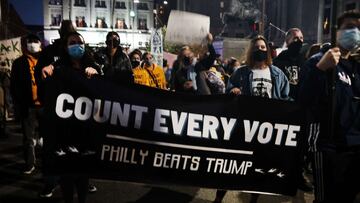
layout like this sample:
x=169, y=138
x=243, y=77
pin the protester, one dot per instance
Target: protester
x=148, y=73
x=116, y=64
x=74, y=60
x=336, y=147
x=209, y=81
x=183, y=75
x=232, y=66
x=23, y=89
x=291, y=60
x=259, y=77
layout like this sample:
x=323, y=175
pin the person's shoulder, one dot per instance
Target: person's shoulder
x=276, y=70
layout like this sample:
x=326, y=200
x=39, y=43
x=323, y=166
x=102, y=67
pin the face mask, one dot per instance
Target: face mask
x=76, y=51
x=259, y=55
x=349, y=39
x=148, y=63
x=295, y=47
x=34, y=47
x=135, y=63
x=187, y=61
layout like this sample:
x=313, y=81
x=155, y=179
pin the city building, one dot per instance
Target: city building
x=132, y=19
x=312, y=17
x=11, y=24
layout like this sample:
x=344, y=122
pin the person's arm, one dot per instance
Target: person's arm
x=207, y=62
x=233, y=85
x=314, y=84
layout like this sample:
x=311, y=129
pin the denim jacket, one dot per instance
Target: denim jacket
x=242, y=78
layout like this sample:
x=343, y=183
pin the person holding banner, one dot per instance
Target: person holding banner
x=115, y=63
x=334, y=136
x=259, y=77
x=75, y=62
x=23, y=90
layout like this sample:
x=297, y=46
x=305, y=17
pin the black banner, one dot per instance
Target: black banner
x=140, y=134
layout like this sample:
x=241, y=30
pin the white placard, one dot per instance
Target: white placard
x=187, y=28
x=10, y=50
x=157, y=46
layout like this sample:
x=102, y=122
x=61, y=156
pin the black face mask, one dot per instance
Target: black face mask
x=135, y=63
x=295, y=47
x=259, y=55
x=187, y=61
x=113, y=43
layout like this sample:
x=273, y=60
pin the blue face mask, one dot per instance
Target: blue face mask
x=349, y=39
x=76, y=51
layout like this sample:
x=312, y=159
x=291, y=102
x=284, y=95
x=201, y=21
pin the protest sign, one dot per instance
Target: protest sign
x=157, y=48
x=187, y=28
x=142, y=134
x=10, y=49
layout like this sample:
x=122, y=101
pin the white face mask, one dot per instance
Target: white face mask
x=34, y=47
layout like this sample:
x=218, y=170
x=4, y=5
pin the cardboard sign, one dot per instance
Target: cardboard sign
x=187, y=28
x=10, y=49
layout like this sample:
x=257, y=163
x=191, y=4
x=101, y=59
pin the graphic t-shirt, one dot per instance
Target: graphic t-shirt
x=261, y=83
x=292, y=72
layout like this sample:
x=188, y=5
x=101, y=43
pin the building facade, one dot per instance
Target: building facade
x=312, y=17
x=95, y=18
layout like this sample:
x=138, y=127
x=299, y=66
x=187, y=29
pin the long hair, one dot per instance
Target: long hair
x=250, y=52
x=87, y=59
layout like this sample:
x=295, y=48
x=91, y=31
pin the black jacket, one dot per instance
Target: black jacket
x=291, y=66
x=49, y=55
x=117, y=69
x=20, y=86
x=315, y=95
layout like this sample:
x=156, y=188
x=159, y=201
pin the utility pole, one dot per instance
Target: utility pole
x=112, y=15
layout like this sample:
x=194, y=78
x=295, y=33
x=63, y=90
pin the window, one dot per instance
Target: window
x=79, y=3
x=142, y=24
x=120, y=23
x=80, y=21
x=350, y=6
x=100, y=4
x=55, y=2
x=142, y=6
x=120, y=5
x=100, y=23
x=56, y=19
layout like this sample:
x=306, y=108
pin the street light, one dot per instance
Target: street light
x=132, y=13
x=165, y=2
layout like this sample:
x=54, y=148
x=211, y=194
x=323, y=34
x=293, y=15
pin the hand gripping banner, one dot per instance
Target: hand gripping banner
x=134, y=133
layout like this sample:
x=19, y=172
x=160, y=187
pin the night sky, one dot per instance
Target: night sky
x=30, y=11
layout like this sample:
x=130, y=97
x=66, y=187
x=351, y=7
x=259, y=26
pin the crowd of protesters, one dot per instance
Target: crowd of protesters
x=295, y=74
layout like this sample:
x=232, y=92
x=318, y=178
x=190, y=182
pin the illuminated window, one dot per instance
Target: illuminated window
x=80, y=21
x=56, y=19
